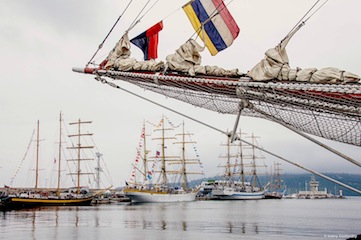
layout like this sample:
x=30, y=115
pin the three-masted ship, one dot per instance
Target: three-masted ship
x=166, y=179
x=238, y=167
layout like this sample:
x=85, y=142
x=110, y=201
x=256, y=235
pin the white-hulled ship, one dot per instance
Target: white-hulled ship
x=154, y=185
x=236, y=167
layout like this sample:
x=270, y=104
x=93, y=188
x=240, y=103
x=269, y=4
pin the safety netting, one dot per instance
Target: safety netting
x=331, y=111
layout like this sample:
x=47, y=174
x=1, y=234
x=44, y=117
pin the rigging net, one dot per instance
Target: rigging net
x=330, y=111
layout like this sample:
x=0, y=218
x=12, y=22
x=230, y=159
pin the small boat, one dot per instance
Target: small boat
x=147, y=189
x=237, y=167
x=39, y=197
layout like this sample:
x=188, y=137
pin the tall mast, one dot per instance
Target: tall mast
x=163, y=171
x=145, y=152
x=228, y=156
x=98, y=169
x=164, y=157
x=184, y=173
x=37, y=158
x=277, y=177
x=79, y=147
x=254, y=171
x=59, y=157
x=228, y=167
x=184, y=162
x=241, y=159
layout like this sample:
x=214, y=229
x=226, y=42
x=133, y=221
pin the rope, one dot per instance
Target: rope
x=135, y=22
x=302, y=22
x=22, y=161
x=116, y=22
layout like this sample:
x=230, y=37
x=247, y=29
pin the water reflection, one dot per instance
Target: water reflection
x=173, y=217
x=211, y=220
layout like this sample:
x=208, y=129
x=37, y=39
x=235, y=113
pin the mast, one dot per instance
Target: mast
x=59, y=157
x=277, y=177
x=163, y=170
x=37, y=158
x=228, y=173
x=98, y=169
x=79, y=147
x=241, y=164
x=184, y=161
x=254, y=167
x=184, y=169
x=145, y=152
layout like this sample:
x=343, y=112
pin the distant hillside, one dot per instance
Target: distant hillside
x=298, y=182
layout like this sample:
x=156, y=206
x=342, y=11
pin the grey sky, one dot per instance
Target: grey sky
x=41, y=41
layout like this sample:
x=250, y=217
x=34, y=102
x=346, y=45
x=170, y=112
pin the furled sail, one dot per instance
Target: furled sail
x=275, y=65
x=119, y=59
x=188, y=60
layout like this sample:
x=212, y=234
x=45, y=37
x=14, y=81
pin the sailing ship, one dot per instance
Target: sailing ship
x=327, y=99
x=235, y=185
x=276, y=189
x=166, y=180
x=40, y=197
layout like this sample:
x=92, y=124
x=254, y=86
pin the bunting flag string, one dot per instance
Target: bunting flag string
x=22, y=161
x=170, y=123
x=138, y=156
x=152, y=169
x=156, y=125
x=197, y=155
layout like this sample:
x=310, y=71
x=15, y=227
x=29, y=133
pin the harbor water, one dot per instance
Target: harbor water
x=253, y=219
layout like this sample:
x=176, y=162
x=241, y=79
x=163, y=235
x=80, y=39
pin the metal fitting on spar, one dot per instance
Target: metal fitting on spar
x=84, y=70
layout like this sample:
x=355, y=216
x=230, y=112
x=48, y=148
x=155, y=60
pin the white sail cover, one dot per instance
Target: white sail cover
x=188, y=60
x=275, y=65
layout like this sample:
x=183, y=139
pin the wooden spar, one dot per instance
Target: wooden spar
x=59, y=157
x=37, y=159
x=78, y=148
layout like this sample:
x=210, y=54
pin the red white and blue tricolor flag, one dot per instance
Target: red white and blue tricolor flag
x=220, y=29
x=148, y=41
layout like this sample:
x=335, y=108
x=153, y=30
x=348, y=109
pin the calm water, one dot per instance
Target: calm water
x=262, y=219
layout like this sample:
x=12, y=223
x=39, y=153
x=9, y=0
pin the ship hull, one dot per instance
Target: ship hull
x=147, y=196
x=232, y=195
x=17, y=202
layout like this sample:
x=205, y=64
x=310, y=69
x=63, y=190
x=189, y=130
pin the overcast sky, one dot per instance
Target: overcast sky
x=42, y=40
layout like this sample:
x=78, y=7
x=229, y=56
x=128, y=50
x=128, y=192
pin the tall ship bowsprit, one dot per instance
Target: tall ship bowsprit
x=163, y=176
x=324, y=102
